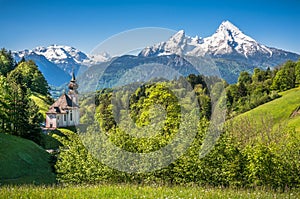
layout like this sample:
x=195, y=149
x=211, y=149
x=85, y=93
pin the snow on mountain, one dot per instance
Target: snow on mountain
x=228, y=49
x=65, y=57
x=61, y=54
x=228, y=39
x=179, y=44
x=95, y=59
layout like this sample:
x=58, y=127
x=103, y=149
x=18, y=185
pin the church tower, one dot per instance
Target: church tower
x=65, y=110
x=73, y=92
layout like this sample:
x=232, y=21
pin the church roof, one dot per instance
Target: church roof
x=62, y=104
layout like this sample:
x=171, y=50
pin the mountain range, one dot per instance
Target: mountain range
x=228, y=51
x=227, y=40
x=57, y=62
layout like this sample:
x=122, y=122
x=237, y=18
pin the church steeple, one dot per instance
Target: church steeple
x=73, y=86
x=73, y=76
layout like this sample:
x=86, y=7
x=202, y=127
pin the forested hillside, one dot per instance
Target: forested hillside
x=251, y=152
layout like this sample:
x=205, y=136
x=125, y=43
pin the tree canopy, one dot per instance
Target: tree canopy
x=28, y=74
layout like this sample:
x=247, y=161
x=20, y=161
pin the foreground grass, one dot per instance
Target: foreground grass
x=134, y=191
x=22, y=161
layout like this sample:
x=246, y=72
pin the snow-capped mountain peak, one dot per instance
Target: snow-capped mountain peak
x=179, y=44
x=228, y=39
x=178, y=37
x=228, y=26
x=60, y=54
x=65, y=57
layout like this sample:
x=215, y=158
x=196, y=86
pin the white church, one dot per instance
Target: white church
x=64, y=111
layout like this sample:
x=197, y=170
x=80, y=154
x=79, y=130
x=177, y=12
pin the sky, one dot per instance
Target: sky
x=26, y=24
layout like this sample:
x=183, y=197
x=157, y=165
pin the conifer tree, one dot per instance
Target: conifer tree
x=4, y=104
x=7, y=62
x=24, y=118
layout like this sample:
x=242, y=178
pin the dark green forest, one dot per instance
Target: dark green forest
x=19, y=114
x=126, y=116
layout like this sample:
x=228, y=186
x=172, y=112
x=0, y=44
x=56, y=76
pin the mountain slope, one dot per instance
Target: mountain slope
x=129, y=69
x=23, y=162
x=53, y=74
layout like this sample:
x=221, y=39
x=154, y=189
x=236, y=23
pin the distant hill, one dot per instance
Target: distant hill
x=129, y=69
x=23, y=162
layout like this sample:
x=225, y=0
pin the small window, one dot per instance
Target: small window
x=71, y=116
x=65, y=117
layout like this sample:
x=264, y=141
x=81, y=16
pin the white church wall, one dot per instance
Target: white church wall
x=51, y=121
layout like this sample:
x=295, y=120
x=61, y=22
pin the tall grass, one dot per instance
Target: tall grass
x=134, y=191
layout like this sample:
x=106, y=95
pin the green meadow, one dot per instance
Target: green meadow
x=134, y=191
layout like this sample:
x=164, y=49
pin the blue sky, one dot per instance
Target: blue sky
x=85, y=24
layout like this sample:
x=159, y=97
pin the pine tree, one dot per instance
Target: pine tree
x=24, y=118
x=19, y=115
x=7, y=62
x=4, y=104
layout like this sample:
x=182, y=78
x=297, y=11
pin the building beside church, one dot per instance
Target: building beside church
x=64, y=111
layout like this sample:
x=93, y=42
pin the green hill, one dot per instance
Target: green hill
x=42, y=102
x=278, y=110
x=23, y=162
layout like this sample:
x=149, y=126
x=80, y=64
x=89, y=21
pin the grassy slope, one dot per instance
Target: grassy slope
x=42, y=102
x=279, y=109
x=23, y=161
